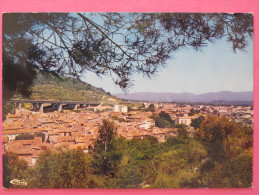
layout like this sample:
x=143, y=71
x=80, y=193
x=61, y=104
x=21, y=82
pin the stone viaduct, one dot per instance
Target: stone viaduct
x=37, y=105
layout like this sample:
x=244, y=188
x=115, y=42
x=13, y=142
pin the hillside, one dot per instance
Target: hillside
x=69, y=89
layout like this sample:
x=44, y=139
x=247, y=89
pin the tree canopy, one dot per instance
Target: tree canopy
x=163, y=120
x=117, y=44
x=107, y=131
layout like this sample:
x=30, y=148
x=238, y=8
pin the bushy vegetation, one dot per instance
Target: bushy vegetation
x=135, y=107
x=151, y=108
x=219, y=156
x=197, y=121
x=193, y=112
x=163, y=120
x=7, y=108
x=13, y=168
x=119, y=119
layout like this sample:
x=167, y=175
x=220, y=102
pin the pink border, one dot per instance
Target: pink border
x=251, y=6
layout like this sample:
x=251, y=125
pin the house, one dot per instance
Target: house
x=186, y=120
x=65, y=133
x=5, y=141
x=13, y=133
x=53, y=136
x=161, y=137
x=191, y=131
x=146, y=124
x=27, y=150
x=120, y=108
x=66, y=139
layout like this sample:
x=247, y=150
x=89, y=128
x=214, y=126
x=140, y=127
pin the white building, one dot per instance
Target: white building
x=120, y=108
x=147, y=124
x=186, y=120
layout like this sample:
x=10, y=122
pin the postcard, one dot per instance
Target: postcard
x=127, y=100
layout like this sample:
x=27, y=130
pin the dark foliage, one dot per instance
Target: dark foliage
x=197, y=121
x=7, y=108
x=163, y=120
x=107, y=132
x=25, y=136
x=13, y=168
x=193, y=112
x=151, y=108
x=118, y=44
x=182, y=131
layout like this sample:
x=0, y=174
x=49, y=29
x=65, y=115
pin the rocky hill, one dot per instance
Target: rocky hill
x=68, y=89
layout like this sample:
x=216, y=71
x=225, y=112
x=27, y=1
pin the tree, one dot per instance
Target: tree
x=13, y=168
x=238, y=172
x=106, y=133
x=166, y=116
x=106, y=155
x=193, y=112
x=171, y=141
x=197, y=121
x=62, y=169
x=163, y=120
x=216, y=133
x=118, y=44
x=151, y=108
x=230, y=152
x=176, y=167
x=162, y=123
x=182, y=131
x=7, y=108
x=128, y=175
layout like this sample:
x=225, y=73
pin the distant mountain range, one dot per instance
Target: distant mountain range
x=223, y=96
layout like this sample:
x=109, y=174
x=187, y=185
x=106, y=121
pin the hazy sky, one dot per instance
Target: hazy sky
x=216, y=68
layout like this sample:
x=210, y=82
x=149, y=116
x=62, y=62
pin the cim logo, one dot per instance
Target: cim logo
x=18, y=182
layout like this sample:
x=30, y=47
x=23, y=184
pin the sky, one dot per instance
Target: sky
x=215, y=68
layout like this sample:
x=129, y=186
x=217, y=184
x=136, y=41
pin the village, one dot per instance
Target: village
x=127, y=99
x=73, y=129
